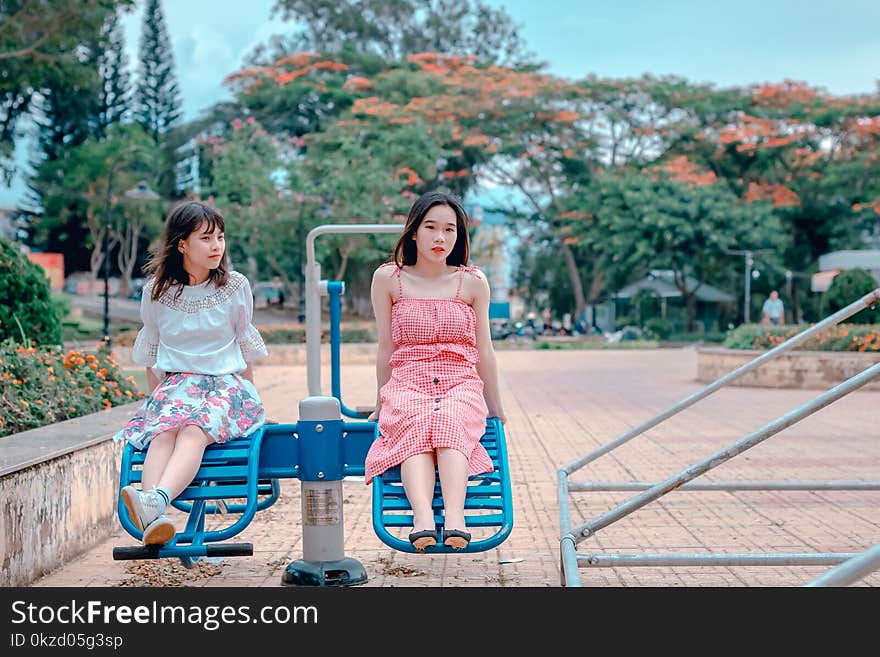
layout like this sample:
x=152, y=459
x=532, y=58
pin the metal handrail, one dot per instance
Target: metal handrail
x=570, y=538
x=851, y=570
x=315, y=288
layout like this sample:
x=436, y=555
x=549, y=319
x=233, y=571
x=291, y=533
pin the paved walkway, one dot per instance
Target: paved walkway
x=562, y=404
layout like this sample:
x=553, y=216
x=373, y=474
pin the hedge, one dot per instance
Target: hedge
x=843, y=337
x=44, y=385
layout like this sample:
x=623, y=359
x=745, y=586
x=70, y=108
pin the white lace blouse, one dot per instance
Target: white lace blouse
x=206, y=330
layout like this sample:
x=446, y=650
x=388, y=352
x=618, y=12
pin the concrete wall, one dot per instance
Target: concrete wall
x=818, y=370
x=58, y=493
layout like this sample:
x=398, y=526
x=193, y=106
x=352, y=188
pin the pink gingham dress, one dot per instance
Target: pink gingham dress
x=434, y=397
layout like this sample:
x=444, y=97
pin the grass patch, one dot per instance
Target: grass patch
x=589, y=344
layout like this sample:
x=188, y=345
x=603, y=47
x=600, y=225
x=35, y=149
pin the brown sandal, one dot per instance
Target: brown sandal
x=456, y=539
x=423, y=539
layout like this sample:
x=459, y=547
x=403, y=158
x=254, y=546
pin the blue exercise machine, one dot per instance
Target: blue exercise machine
x=241, y=477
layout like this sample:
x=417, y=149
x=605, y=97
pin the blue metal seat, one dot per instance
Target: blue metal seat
x=236, y=479
x=488, y=503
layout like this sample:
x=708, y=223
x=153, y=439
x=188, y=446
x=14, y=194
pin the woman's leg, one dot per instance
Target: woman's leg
x=158, y=454
x=185, y=460
x=453, y=468
x=417, y=475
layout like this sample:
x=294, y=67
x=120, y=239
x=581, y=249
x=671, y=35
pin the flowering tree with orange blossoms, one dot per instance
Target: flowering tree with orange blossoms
x=672, y=216
x=814, y=157
x=772, y=146
x=803, y=153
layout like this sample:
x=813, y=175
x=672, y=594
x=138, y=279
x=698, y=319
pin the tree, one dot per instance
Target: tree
x=26, y=309
x=67, y=113
x=770, y=146
x=95, y=176
x=672, y=216
x=41, y=42
x=115, y=84
x=393, y=29
x=156, y=97
x=848, y=287
x=243, y=188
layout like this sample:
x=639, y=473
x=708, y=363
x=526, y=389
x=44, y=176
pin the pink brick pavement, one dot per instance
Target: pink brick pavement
x=562, y=404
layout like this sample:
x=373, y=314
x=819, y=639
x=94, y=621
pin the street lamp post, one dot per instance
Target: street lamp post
x=747, y=278
x=141, y=192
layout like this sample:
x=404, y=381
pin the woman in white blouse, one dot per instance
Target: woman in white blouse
x=197, y=343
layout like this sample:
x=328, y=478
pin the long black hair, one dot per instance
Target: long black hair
x=405, y=251
x=166, y=262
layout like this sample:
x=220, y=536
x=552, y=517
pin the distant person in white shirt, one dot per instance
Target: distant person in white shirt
x=774, y=311
x=197, y=344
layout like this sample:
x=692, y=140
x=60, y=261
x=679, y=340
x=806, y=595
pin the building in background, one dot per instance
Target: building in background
x=831, y=264
x=53, y=265
x=490, y=251
x=659, y=283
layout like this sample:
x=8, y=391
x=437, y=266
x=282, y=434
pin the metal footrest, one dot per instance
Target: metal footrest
x=180, y=551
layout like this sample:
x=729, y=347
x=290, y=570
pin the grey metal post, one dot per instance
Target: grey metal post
x=315, y=288
x=321, y=470
x=851, y=570
x=747, y=294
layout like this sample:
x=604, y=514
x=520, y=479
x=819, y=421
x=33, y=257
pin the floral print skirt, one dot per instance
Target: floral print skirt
x=225, y=407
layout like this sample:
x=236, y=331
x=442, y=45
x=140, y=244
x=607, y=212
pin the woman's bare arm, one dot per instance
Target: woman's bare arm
x=380, y=294
x=487, y=368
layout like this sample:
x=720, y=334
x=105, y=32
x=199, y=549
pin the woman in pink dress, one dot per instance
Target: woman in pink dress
x=435, y=369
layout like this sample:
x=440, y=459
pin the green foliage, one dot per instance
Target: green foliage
x=395, y=29
x=27, y=313
x=85, y=190
x=262, y=211
x=843, y=337
x=847, y=287
x=157, y=96
x=115, y=82
x=45, y=385
x=658, y=328
x=45, y=43
x=641, y=220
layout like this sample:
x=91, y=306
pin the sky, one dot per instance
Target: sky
x=722, y=43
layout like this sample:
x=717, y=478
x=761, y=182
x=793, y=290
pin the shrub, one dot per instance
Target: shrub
x=658, y=328
x=43, y=385
x=847, y=287
x=843, y=337
x=27, y=312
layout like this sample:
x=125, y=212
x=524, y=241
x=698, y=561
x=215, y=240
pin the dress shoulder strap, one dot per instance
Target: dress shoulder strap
x=394, y=270
x=462, y=269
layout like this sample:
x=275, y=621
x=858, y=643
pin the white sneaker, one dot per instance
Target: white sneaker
x=160, y=531
x=143, y=506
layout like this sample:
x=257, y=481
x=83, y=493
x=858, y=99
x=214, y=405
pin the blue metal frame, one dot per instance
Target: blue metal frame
x=334, y=291
x=245, y=468
x=486, y=492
